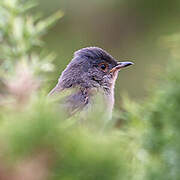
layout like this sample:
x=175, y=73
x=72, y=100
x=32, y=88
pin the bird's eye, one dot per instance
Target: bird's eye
x=103, y=66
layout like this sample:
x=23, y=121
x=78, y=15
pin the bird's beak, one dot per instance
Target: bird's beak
x=120, y=65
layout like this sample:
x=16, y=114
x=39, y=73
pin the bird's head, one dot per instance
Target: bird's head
x=92, y=67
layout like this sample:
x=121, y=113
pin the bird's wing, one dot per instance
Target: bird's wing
x=73, y=100
x=56, y=89
x=76, y=102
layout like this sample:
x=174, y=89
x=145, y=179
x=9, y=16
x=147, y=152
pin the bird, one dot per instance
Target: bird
x=91, y=71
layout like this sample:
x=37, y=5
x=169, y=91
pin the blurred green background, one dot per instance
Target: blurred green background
x=129, y=30
x=35, y=135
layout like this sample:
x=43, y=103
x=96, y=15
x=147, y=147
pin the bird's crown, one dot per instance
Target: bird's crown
x=95, y=53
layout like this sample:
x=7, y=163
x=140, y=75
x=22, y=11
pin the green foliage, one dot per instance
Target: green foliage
x=73, y=152
x=162, y=138
x=160, y=115
x=38, y=141
x=21, y=33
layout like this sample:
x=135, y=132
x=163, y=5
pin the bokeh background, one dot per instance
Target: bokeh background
x=129, y=30
x=142, y=140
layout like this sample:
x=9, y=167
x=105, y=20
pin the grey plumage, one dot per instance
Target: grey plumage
x=91, y=70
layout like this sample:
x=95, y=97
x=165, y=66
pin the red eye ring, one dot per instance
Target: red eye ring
x=103, y=66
